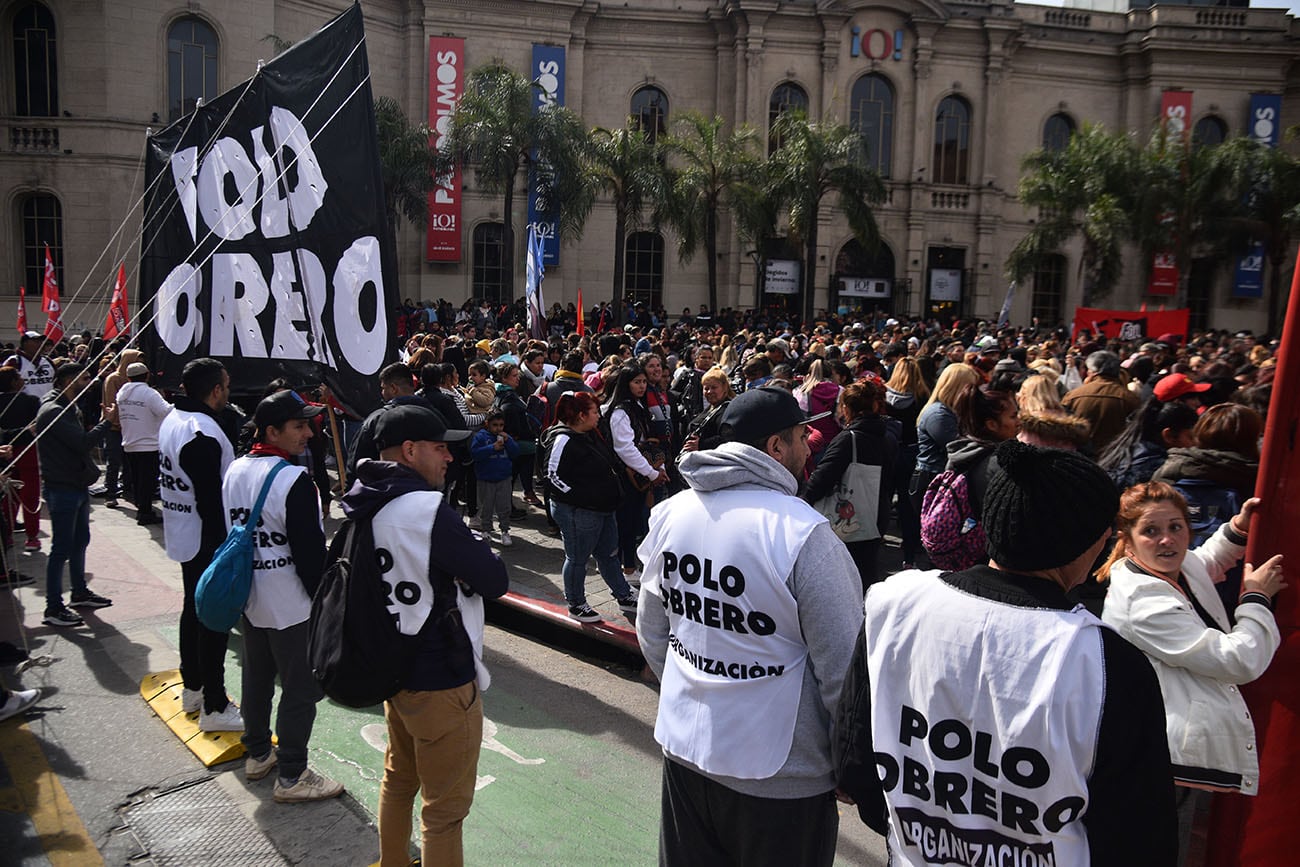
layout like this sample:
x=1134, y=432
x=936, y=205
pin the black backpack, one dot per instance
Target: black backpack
x=356, y=652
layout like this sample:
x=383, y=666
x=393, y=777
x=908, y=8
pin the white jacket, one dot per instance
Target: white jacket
x=1211, y=734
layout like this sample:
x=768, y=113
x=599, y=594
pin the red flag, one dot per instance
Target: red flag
x=50, y=301
x=582, y=323
x=117, y=311
x=50, y=286
x=22, y=311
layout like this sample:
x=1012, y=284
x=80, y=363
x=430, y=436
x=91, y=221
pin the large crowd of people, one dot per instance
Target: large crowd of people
x=734, y=476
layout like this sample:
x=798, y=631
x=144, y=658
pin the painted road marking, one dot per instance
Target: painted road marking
x=36, y=790
x=376, y=736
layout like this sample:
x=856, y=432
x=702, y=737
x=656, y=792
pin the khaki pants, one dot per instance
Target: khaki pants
x=433, y=746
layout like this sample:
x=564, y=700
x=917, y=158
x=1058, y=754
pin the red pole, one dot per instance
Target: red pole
x=1260, y=831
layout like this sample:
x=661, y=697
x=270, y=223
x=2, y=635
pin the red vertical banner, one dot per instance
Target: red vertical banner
x=1175, y=117
x=1260, y=831
x=446, y=84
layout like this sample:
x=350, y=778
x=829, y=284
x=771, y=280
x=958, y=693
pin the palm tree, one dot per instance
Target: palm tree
x=1262, y=186
x=710, y=168
x=815, y=159
x=1083, y=189
x=495, y=129
x=624, y=164
x=756, y=207
x=407, y=162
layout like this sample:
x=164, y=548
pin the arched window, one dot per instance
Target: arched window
x=951, y=142
x=41, y=218
x=1048, y=299
x=871, y=113
x=787, y=96
x=1057, y=132
x=191, y=65
x=36, y=80
x=650, y=112
x=643, y=268
x=489, y=261
x=1209, y=132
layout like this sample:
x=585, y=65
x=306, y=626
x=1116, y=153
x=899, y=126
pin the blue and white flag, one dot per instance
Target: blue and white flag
x=533, y=285
x=1005, y=316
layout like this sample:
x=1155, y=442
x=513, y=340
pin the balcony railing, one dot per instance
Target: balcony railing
x=34, y=139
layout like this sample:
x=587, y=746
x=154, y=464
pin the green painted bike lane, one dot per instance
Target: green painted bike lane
x=546, y=794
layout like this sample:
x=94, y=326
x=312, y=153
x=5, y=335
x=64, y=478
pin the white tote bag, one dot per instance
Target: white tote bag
x=852, y=506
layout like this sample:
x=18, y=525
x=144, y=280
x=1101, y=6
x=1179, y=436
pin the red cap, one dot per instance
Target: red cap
x=1176, y=385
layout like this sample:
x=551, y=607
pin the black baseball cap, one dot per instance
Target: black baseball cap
x=762, y=412
x=413, y=422
x=281, y=408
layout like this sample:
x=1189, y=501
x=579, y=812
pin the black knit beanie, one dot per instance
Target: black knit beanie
x=1044, y=507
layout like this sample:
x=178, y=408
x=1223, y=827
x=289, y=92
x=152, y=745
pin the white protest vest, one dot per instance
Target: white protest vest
x=718, y=562
x=39, y=375
x=984, y=719
x=403, y=529
x=182, y=527
x=277, y=600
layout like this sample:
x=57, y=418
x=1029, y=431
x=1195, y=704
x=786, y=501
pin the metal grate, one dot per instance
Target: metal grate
x=198, y=824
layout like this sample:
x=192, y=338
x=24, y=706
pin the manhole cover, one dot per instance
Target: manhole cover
x=198, y=824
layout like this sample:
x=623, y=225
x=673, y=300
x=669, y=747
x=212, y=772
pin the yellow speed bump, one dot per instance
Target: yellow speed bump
x=163, y=692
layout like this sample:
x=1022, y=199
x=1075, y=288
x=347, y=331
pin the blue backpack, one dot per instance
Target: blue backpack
x=224, y=586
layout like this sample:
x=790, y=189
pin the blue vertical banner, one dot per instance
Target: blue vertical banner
x=1262, y=125
x=534, y=274
x=547, y=73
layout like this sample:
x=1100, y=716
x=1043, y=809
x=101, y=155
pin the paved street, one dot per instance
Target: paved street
x=569, y=772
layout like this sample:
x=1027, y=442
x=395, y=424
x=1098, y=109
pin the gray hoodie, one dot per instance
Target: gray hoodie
x=828, y=592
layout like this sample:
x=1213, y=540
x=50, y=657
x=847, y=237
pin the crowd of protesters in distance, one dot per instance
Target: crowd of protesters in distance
x=594, y=420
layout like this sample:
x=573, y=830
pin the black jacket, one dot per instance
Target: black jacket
x=877, y=442
x=581, y=469
x=514, y=409
x=17, y=410
x=445, y=659
x=64, y=444
x=363, y=444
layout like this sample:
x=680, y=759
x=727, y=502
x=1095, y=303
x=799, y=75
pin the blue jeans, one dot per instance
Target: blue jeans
x=69, y=538
x=588, y=534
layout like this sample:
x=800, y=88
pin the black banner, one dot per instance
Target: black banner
x=266, y=243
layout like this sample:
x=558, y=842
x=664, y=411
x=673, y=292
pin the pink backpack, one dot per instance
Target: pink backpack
x=950, y=530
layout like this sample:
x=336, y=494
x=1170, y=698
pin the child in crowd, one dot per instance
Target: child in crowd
x=494, y=452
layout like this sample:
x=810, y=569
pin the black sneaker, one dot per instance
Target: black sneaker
x=62, y=616
x=15, y=579
x=11, y=654
x=626, y=604
x=89, y=600
x=584, y=614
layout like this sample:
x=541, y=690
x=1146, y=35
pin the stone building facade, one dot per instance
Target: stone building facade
x=950, y=96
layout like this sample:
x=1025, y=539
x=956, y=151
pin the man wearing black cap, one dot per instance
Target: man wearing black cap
x=747, y=614
x=435, y=723
x=985, y=712
x=287, y=563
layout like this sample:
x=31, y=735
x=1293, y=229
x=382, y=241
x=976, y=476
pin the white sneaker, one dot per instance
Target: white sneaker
x=191, y=700
x=506, y=541
x=19, y=700
x=310, y=786
x=228, y=720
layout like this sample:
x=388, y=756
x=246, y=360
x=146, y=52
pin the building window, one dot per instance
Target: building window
x=951, y=141
x=1209, y=132
x=191, y=66
x=786, y=97
x=1048, y=300
x=871, y=113
x=36, y=80
x=41, y=217
x=643, y=269
x=489, y=262
x=1057, y=132
x=650, y=112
